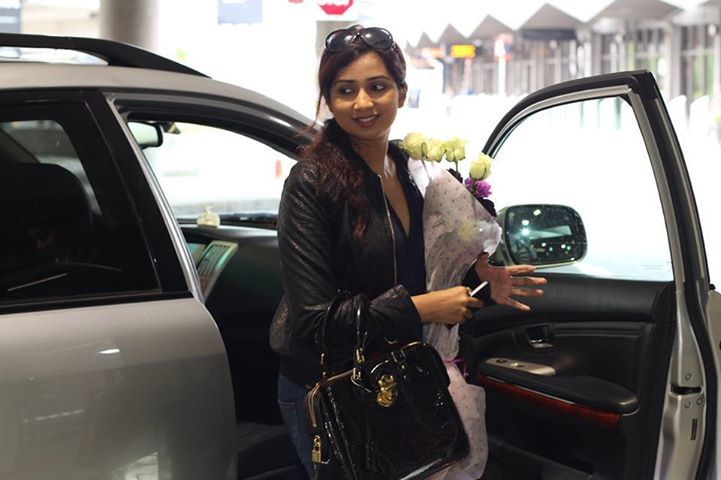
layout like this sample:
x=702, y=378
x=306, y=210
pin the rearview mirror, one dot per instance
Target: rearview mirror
x=542, y=235
x=146, y=134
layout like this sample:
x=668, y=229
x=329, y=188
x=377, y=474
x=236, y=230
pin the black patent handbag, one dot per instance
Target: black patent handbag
x=390, y=416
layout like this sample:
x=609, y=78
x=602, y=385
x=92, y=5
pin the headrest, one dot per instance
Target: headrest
x=45, y=194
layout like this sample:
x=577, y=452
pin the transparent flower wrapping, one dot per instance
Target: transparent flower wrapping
x=456, y=229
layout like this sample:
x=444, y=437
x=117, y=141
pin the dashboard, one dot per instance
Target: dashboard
x=241, y=256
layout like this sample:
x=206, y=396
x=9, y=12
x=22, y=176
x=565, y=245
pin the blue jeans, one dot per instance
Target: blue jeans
x=292, y=409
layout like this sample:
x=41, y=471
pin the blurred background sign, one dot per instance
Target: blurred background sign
x=240, y=11
x=337, y=10
x=10, y=16
x=463, y=51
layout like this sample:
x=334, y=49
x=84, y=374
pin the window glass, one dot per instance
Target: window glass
x=69, y=230
x=48, y=142
x=201, y=166
x=590, y=156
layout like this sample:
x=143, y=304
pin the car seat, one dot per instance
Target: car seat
x=47, y=217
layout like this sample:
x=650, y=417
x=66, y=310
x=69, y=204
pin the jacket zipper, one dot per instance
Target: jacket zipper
x=393, y=236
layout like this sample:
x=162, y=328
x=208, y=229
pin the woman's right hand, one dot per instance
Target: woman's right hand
x=450, y=306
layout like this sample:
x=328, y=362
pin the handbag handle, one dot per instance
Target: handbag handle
x=361, y=329
x=361, y=332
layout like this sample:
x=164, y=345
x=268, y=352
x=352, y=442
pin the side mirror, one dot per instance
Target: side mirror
x=542, y=235
x=146, y=134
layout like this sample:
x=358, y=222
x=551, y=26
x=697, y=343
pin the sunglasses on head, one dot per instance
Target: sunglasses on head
x=375, y=37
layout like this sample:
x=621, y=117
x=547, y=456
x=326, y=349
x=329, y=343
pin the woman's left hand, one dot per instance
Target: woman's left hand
x=508, y=282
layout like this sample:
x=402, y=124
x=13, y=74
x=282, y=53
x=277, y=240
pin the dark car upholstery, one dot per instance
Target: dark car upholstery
x=48, y=212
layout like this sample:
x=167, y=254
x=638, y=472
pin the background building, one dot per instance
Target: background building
x=681, y=46
x=465, y=57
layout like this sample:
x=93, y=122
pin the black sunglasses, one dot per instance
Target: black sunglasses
x=375, y=37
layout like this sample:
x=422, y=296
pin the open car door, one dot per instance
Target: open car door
x=613, y=374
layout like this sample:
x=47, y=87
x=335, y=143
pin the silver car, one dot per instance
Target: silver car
x=139, y=274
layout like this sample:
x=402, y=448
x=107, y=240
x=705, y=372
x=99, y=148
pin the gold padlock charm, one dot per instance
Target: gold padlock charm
x=316, y=455
x=388, y=392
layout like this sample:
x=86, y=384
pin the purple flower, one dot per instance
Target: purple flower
x=483, y=189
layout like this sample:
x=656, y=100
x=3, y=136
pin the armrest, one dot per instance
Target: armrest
x=580, y=389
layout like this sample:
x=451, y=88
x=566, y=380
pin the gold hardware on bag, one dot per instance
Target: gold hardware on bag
x=388, y=391
x=309, y=404
x=316, y=454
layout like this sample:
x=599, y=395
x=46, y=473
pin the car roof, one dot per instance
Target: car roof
x=24, y=76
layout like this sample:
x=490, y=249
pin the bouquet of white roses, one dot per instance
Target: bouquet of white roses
x=458, y=224
x=458, y=219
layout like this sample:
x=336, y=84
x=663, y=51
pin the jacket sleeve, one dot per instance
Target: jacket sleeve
x=306, y=246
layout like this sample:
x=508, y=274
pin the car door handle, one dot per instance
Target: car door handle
x=537, y=343
x=539, y=336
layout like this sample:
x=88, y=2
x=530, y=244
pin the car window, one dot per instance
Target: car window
x=590, y=156
x=48, y=143
x=69, y=228
x=201, y=166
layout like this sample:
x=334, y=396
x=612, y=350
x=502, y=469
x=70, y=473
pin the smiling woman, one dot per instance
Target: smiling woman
x=350, y=228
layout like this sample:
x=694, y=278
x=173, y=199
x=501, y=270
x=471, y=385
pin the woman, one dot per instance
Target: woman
x=350, y=219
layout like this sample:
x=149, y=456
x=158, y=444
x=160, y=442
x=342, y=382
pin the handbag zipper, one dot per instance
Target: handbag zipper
x=393, y=236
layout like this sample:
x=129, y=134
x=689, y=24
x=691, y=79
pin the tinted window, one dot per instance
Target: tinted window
x=69, y=229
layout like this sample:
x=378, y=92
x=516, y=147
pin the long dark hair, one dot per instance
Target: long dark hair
x=329, y=151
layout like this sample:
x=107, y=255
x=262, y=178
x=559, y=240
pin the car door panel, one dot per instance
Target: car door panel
x=102, y=390
x=608, y=374
x=586, y=416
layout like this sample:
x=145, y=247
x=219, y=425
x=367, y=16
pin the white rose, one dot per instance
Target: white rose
x=436, y=149
x=455, y=149
x=414, y=144
x=480, y=168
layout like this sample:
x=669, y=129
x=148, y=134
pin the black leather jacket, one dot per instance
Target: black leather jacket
x=320, y=257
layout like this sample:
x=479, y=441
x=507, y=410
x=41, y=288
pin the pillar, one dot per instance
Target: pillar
x=130, y=21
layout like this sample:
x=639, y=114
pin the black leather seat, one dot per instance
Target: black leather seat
x=48, y=240
x=39, y=200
